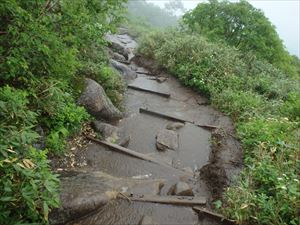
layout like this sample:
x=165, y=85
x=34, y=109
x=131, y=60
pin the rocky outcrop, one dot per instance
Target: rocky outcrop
x=97, y=103
x=122, y=44
x=127, y=73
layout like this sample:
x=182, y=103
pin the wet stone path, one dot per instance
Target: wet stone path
x=171, y=136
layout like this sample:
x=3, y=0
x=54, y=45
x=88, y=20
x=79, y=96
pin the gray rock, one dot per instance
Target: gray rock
x=81, y=194
x=97, y=103
x=174, y=126
x=146, y=220
x=123, y=44
x=161, y=79
x=188, y=169
x=118, y=56
x=147, y=187
x=124, y=142
x=111, y=133
x=181, y=189
x=166, y=139
x=124, y=70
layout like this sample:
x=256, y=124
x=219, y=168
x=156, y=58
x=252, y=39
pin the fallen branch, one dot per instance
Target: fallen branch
x=174, y=118
x=135, y=154
x=158, y=114
x=166, y=95
x=3, y=32
x=214, y=215
x=171, y=200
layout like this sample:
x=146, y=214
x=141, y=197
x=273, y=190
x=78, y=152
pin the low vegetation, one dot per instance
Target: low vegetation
x=265, y=104
x=47, y=48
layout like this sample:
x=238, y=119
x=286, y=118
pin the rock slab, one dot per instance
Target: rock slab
x=181, y=189
x=166, y=139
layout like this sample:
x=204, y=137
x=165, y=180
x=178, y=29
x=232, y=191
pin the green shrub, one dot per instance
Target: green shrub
x=241, y=25
x=43, y=46
x=28, y=189
x=239, y=104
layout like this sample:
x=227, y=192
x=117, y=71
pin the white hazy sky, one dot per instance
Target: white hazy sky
x=284, y=14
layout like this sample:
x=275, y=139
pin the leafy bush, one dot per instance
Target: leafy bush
x=265, y=104
x=28, y=188
x=241, y=25
x=44, y=45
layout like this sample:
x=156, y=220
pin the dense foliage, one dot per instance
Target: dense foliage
x=265, y=104
x=241, y=25
x=46, y=49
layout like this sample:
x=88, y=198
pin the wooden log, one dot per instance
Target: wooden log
x=174, y=118
x=165, y=95
x=214, y=215
x=171, y=200
x=136, y=155
x=165, y=116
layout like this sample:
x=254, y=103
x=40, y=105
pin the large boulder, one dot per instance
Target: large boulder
x=127, y=73
x=82, y=193
x=97, y=103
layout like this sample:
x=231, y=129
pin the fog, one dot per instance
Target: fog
x=284, y=14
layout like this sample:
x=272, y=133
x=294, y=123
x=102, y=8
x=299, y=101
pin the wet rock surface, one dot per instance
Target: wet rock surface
x=97, y=103
x=147, y=220
x=181, y=189
x=174, y=126
x=197, y=167
x=166, y=139
x=111, y=133
x=127, y=73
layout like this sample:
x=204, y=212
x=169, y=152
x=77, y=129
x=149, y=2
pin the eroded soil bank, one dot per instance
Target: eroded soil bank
x=201, y=152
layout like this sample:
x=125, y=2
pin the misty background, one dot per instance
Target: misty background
x=284, y=14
